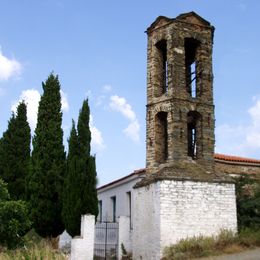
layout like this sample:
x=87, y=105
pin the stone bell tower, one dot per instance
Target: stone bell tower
x=180, y=109
x=181, y=195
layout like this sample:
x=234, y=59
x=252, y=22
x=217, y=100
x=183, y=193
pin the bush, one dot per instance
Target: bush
x=249, y=237
x=14, y=220
x=248, y=202
x=4, y=195
x=190, y=247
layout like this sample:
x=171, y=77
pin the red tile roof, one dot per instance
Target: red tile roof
x=232, y=158
x=217, y=156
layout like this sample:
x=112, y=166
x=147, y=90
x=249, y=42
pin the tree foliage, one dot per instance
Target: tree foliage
x=80, y=196
x=48, y=163
x=14, y=219
x=15, y=153
x=248, y=202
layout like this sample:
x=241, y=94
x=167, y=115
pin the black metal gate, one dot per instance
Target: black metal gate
x=106, y=241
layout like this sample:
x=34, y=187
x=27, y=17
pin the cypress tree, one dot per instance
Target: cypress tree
x=15, y=153
x=72, y=186
x=48, y=163
x=80, y=195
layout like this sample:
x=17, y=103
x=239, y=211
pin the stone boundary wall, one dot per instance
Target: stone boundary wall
x=236, y=168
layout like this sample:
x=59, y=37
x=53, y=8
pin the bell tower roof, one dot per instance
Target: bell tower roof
x=190, y=17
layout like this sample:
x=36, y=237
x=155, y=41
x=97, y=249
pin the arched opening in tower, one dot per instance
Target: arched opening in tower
x=162, y=67
x=194, y=134
x=161, y=137
x=191, y=65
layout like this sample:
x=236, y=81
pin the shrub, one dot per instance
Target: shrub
x=248, y=202
x=249, y=237
x=14, y=220
x=190, y=247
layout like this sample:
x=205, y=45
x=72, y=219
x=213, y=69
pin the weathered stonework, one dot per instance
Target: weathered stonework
x=171, y=36
x=181, y=194
x=235, y=169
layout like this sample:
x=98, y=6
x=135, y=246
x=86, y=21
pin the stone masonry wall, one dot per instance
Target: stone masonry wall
x=169, y=210
x=237, y=168
x=177, y=102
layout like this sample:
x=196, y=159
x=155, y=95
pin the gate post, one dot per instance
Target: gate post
x=82, y=247
x=124, y=235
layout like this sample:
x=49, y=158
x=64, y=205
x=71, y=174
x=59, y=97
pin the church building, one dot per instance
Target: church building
x=181, y=193
x=186, y=189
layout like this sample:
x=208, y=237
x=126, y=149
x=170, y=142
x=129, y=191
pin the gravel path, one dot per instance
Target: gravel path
x=253, y=254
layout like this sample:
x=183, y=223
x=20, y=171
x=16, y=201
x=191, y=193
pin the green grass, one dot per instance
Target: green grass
x=35, y=248
x=227, y=242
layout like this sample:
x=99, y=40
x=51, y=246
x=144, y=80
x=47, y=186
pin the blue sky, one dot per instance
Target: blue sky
x=98, y=49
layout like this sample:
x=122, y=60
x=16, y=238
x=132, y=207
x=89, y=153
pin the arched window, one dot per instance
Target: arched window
x=192, y=73
x=162, y=68
x=161, y=137
x=194, y=134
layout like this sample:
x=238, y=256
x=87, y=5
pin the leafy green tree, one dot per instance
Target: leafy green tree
x=48, y=163
x=14, y=219
x=80, y=195
x=15, y=153
x=248, y=202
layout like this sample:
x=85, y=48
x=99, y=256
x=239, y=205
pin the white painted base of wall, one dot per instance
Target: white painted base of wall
x=124, y=236
x=82, y=248
x=169, y=210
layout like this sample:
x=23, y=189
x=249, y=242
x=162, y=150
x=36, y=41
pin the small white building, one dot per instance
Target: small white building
x=115, y=198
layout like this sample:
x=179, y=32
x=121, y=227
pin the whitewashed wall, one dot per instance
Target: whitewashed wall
x=146, y=222
x=170, y=210
x=82, y=247
x=119, y=190
x=124, y=236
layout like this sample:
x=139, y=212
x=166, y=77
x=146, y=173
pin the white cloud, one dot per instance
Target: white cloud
x=31, y=98
x=120, y=105
x=64, y=101
x=8, y=67
x=243, y=139
x=103, y=96
x=96, y=136
x=133, y=130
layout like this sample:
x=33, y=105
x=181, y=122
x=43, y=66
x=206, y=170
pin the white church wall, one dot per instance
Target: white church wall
x=122, y=191
x=146, y=233
x=169, y=210
x=124, y=236
x=195, y=208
